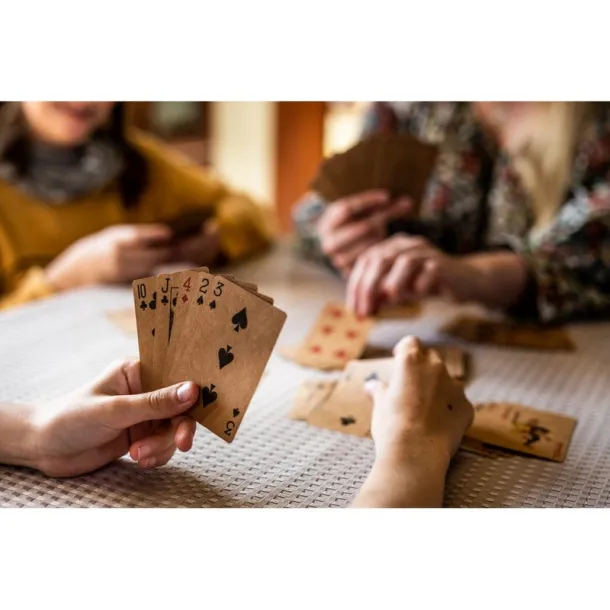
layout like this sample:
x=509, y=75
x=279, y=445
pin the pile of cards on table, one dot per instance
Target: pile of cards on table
x=210, y=329
x=343, y=405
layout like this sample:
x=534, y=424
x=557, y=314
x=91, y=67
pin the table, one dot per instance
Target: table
x=50, y=347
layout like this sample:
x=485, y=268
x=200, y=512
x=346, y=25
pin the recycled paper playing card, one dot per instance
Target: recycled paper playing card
x=349, y=408
x=224, y=347
x=509, y=334
x=145, y=300
x=337, y=337
x=311, y=393
x=519, y=428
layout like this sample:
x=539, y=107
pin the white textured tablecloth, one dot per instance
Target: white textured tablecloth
x=50, y=347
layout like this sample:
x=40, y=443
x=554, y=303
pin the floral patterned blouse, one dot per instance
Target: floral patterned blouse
x=474, y=202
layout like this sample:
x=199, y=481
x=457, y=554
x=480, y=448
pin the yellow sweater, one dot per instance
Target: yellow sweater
x=33, y=233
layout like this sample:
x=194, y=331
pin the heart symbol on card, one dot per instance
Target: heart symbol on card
x=346, y=421
x=225, y=356
x=240, y=319
x=208, y=396
x=236, y=412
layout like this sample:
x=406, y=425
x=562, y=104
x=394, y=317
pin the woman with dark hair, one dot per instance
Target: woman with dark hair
x=85, y=200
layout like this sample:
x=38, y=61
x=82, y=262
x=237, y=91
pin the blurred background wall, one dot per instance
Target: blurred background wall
x=270, y=149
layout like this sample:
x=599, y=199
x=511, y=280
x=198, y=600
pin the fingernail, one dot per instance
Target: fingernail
x=184, y=392
x=149, y=463
x=143, y=452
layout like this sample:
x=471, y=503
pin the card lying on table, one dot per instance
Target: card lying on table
x=337, y=337
x=509, y=334
x=518, y=428
x=210, y=329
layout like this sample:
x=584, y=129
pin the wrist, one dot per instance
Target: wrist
x=415, y=452
x=500, y=277
x=18, y=435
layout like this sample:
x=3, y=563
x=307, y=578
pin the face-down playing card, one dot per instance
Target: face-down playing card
x=223, y=345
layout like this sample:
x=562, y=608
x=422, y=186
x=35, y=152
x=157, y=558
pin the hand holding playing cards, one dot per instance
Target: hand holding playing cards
x=419, y=420
x=120, y=253
x=91, y=428
x=352, y=225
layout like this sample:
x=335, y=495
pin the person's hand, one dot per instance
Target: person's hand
x=403, y=268
x=419, y=419
x=350, y=226
x=91, y=428
x=121, y=253
x=200, y=249
x=421, y=409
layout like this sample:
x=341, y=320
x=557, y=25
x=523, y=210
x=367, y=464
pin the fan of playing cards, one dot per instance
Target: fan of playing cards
x=210, y=329
x=397, y=163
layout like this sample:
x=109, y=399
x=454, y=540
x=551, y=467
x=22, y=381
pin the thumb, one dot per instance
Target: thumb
x=125, y=411
x=375, y=388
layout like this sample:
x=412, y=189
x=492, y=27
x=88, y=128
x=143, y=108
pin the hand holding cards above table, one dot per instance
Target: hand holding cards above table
x=396, y=163
x=210, y=329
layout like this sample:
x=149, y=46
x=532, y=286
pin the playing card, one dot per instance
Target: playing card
x=509, y=334
x=311, y=393
x=348, y=408
x=478, y=448
x=145, y=301
x=337, y=337
x=398, y=163
x=167, y=293
x=224, y=346
x=399, y=312
x=519, y=428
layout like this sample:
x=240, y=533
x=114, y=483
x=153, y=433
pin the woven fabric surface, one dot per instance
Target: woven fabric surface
x=50, y=347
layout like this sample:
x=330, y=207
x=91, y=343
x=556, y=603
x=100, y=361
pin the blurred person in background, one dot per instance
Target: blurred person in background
x=84, y=200
x=516, y=214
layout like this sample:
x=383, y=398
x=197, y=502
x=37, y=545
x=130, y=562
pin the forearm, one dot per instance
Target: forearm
x=501, y=278
x=17, y=444
x=404, y=480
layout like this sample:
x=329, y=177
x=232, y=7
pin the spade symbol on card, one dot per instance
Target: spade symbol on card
x=236, y=412
x=225, y=356
x=200, y=301
x=346, y=421
x=208, y=396
x=213, y=305
x=165, y=300
x=240, y=319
